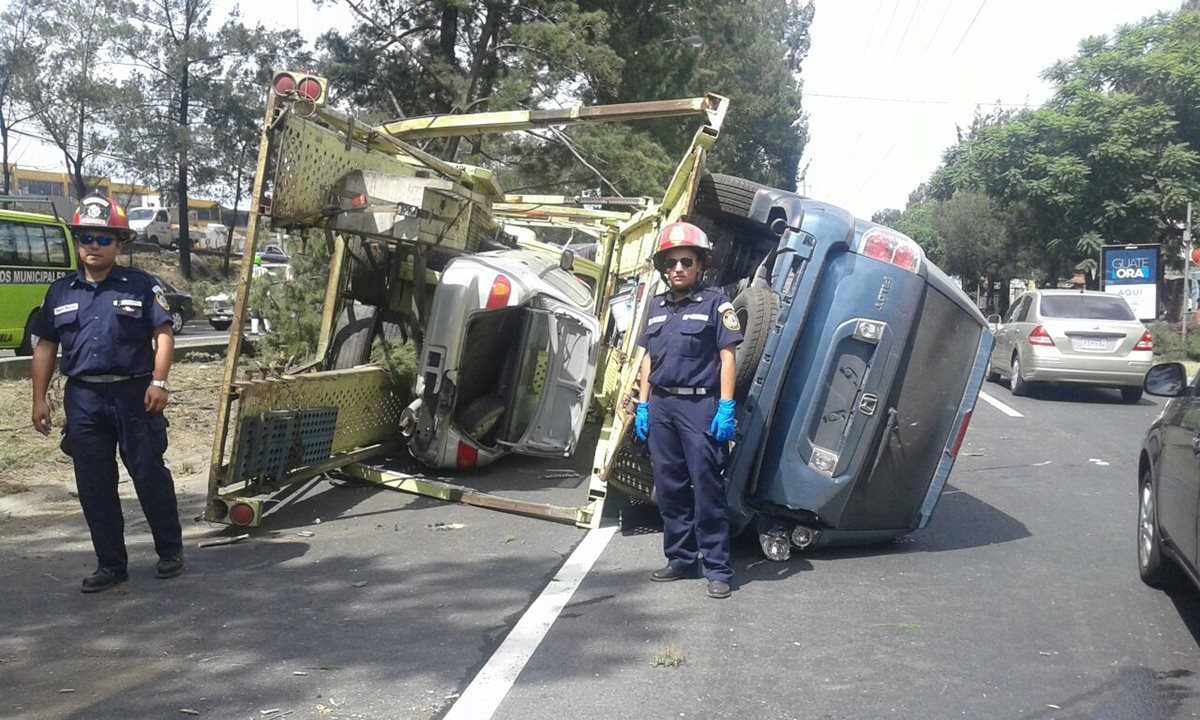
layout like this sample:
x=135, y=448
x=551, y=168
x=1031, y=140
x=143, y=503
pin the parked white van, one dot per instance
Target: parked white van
x=152, y=225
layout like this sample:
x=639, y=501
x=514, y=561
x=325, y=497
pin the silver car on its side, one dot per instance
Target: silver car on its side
x=1071, y=336
x=507, y=364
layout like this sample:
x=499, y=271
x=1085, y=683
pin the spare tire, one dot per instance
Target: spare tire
x=756, y=308
x=718, y=194
x=480, y=418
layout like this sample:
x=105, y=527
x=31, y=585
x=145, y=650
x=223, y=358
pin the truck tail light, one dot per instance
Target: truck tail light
x=242, y=514
x=500, y=294
x=1039, y=336
x=962, y=432
x=891, y=247
x=1146, y=343
x=468, y=456
x=300, y=85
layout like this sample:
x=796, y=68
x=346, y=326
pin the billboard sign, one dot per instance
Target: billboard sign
x=1132, y=271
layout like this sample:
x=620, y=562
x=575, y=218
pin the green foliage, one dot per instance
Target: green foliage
x=1168, y=344
x=294, y=307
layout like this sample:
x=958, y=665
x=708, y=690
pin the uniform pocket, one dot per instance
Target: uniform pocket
x=129, y=312
x=694, y=338
x=158, y=424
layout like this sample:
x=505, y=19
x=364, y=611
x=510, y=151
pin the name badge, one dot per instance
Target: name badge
x=65, y=308
x=127, y=303
x=656, y=320
x=696, y=317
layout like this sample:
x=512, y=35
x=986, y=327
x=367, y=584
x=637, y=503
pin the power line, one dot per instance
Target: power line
x=99, y=153
x=941, y=20
x=968, y=30
x=904, y=35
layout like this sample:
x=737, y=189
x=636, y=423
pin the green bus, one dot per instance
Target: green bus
x=35, y=250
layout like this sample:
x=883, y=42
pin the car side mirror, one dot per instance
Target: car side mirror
x=1166, y=380
x=567, y=260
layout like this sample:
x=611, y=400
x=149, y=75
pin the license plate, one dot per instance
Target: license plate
x=1095, y=344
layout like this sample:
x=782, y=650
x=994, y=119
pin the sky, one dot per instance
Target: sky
x=885, y=85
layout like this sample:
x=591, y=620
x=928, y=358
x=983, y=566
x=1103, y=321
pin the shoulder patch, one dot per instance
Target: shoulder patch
x=730, y=319
x=161, y=299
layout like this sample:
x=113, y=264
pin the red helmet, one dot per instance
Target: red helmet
x=97, y=212
x=682, y=234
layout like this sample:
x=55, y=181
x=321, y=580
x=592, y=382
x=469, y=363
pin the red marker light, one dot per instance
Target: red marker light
x=501, y=291
x=468, y=456
x=309, y=89
x=284, y=84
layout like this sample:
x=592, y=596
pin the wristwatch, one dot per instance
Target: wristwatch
x=160, y=384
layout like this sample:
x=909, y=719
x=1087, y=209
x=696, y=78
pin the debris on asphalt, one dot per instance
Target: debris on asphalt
x=509, y=538
x=1097, y=461
x=299, y=672
x=224, y=541
x=668, y=658
x=64, y=691
x=445, y=526
x=559, y=475
x=306, y=533
x=360, y=583
x=188, y=711
x=1041, y=464
x=269, y=712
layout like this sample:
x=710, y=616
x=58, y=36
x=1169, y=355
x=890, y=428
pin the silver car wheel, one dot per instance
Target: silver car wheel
x=1145, y=526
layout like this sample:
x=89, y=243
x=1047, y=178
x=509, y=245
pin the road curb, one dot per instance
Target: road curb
x=18, y=368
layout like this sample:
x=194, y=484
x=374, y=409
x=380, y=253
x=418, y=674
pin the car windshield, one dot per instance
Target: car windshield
x=1086, y=307
x=141, y=214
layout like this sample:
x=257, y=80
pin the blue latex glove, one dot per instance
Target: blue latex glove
x=641, y=422
x=723, y=422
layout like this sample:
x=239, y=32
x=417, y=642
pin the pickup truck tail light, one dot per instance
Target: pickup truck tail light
x=1039, y=336
x=1146, y=343
x=891, y=247
x=962, y=432
x=501, y=292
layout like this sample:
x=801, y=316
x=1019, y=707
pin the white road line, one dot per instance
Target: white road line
x=999, y=405
x=485, y=693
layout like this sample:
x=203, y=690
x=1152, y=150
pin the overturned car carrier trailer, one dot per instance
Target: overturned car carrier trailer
x=856, y=382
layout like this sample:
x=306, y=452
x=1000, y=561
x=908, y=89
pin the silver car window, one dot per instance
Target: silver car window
x=1086, y=307
x=1023, y=311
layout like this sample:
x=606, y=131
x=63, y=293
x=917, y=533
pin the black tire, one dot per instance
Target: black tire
x=1131, y=394
x=25, y=349
x=1155, y=569
x=480, y=418
x=369, y=263
x=718, y=194
x=756, y=308
x=177, y=322
x=351, y=344
x=220, y=325
x=1018, y=385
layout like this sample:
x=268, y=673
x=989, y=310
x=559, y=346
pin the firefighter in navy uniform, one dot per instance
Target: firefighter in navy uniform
x=686, y=408
x=104, y=318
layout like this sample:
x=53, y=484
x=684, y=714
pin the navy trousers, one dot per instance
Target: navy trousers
x=689, y=482
x=102, y=417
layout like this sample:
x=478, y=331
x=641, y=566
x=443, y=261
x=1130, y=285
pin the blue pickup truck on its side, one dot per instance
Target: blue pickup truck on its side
x=857, y=379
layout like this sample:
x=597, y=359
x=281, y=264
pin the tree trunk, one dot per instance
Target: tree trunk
x=185, y=234
x=448, y=33
x=237, y=196
x=4, y=160
x=491, y=25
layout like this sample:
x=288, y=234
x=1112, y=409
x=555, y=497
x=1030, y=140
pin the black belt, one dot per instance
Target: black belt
x=684, y=390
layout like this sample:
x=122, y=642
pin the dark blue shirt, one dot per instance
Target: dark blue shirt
x=684, y=338
x=104, y=328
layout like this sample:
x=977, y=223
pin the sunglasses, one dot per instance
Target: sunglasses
x=101, y=240
x=684, y=262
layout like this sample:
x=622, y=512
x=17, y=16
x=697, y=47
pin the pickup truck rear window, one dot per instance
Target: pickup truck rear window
x=1086, y=307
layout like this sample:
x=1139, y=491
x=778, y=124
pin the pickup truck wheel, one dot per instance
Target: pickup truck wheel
x=756, y=308
x=369, y=263
x=26, y=346
x=176, y=322
x=351, y=345
x=479, y=419
x=220, y=325
x=726, y=195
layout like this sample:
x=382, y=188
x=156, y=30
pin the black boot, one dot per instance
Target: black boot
x=103, y=579
x=169, y=567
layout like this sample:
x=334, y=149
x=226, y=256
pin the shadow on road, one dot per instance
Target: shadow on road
x=1074, y=393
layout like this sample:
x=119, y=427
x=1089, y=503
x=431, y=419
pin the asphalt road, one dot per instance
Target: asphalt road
x=1020, y=600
